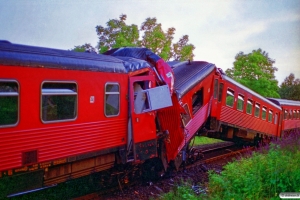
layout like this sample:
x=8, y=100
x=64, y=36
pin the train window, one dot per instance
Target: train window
x=270, y=116
x=240, y=103
x=230, y=98
x=264, y=113
x=249, y=106
x=141, y=98
x=216, y=84
x=197, y=100
x=298, y=114
x=295, y=114
x=291, y=114
x=220, y=92
x=186, y=116
x=286, y=114
x=112, y=99
x=59, y=101
x=9, y=103
x=276, y=118
x=257, y=110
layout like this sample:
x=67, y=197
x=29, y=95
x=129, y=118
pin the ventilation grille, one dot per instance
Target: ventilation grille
x=29, y=157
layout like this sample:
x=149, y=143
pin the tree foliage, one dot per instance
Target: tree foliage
x=118, y=34
x=290, y=88
x=155, y=39
x=84, y=48
x=160, y=42
x=183, y=50
x=256, y=71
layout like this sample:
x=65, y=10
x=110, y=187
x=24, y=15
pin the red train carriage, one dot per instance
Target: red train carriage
x=65, y=114
x=290, y=115
x=239, y=112
x=191, y=105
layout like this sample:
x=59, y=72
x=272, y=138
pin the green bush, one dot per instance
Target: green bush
x=261, y=176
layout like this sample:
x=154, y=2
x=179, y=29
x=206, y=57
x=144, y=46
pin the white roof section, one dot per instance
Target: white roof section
x=285, y=102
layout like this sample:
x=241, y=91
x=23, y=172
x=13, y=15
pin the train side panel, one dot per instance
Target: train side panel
x=242, y=112
x=170, y=121
x=199, y=111
x=89, y=130
x=191, y=105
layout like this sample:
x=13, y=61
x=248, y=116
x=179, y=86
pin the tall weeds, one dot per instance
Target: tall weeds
x=273, y=169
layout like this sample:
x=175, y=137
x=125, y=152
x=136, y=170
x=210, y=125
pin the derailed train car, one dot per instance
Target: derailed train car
x=65, y=114
x=191, y=100
x=240, y=113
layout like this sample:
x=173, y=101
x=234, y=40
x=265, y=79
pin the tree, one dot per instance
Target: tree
x=255, y=71
x=119, y=34
x=84, y=48
x=183, y=50
x=290, y=88
x=155, y=39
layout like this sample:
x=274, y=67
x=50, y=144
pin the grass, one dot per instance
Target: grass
x=261, y=175
x=201, y=140
x=268, y=172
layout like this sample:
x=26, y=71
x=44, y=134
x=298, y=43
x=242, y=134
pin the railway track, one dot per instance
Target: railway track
x=211, y=155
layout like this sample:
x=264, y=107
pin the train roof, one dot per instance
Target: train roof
x=134, y=57
x=188, y=74
x=23, y=55
x=250, y=91
x=285, y=102
x=175, y=63
x=135, y=52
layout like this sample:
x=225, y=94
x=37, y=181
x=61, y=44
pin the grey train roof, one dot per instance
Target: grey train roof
x=22, y=55
x=188, y=74
x=175, y=63
x=250, y=91
x=285, y=102
x=133, y=64
x=135, y=52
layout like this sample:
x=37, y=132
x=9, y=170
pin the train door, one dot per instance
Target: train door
x=144, y=99
x=215, y=97
x=218, y=86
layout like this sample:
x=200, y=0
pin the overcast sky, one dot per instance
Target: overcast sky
x=219, y=29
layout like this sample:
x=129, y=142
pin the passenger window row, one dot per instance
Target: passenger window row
x=59, y=101
x=291, y=114
x=250, y=106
